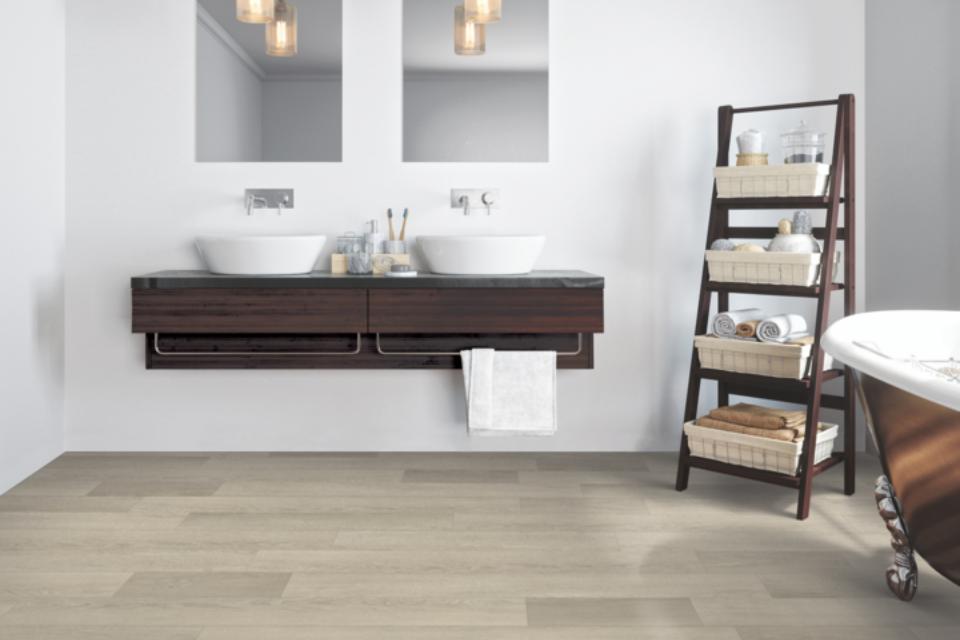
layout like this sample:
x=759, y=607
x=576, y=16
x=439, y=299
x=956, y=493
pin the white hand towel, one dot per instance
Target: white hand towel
x=782, y=328
x=725, y=324
x=510, y=392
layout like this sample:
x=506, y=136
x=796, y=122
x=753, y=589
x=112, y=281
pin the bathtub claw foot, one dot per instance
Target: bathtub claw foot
x=902, y=574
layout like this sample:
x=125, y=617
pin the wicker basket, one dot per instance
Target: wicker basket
x=770, y=359
x=773, y=267
x=756, y=452
x=772, y=181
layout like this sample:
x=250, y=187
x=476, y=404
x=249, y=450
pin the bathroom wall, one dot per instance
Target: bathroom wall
x=230, y=97
x=634, y=88
x=31, y=245
x=913, y=152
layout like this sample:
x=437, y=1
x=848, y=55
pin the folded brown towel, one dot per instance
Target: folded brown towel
x=748, y=329
x=751, y=415
x=802, y=341
x=784, y=435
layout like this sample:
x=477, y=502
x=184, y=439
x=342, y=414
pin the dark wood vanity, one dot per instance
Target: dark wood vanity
x=196, y=320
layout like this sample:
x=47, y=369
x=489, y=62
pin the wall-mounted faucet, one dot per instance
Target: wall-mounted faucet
x=468, y=199
x=279, y=199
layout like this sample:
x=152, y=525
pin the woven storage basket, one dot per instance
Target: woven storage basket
x=757, y=358
x=756, y=452
x=769, y=267
x=772, y=181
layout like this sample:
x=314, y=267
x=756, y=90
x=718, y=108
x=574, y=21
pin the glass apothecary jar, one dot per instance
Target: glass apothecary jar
x=803, y=145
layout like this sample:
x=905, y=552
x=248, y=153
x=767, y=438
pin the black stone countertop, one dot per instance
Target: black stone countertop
x=326, y=280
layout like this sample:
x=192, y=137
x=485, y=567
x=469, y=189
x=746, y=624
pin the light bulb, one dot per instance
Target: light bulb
x=469, y=38
x=255, y=11
x=482, y=11
x=282, y=32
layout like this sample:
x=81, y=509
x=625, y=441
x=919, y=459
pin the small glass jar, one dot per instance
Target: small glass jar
x=359, y=263
x=803, y=145
x=350, y=243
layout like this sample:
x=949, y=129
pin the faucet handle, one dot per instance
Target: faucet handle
x=489, y=199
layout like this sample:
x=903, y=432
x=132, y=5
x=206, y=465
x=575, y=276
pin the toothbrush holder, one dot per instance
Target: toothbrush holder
x=395, y=246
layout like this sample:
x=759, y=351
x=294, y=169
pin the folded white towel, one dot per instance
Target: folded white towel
x=510, y=392
x=782, y=328
x=725, y=324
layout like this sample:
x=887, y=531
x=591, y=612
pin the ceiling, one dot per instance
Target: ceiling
x=519, y=42
x=320, y=37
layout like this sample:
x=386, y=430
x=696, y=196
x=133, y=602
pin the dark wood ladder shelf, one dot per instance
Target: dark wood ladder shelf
x=808, y=391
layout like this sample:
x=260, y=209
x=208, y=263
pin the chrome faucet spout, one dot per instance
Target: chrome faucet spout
x=253, y=201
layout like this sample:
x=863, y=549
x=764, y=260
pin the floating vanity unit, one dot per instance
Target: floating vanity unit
x=197, y=320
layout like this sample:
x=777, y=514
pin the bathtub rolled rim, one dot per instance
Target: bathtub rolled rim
x=840, y=341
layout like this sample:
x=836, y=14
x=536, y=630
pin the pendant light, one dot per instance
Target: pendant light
x=470, y=38
x=282, y=32
x=255, y=11
x=482, y=11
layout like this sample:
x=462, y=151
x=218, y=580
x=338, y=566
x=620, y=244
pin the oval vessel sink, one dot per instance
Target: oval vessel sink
x=260, y=255
x=481, y=255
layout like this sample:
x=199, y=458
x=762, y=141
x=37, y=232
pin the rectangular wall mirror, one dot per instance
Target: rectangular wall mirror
x=269, y=81
x=475, y=80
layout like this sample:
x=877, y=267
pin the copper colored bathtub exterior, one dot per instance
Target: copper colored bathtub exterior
x=919, y=444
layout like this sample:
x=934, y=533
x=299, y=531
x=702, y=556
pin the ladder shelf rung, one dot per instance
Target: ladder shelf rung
x=749, y=379
x=811, y=202
x=766, y=233
x=769, y=289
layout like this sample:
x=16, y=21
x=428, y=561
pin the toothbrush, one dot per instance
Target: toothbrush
x=403, y=229
x=393, y=236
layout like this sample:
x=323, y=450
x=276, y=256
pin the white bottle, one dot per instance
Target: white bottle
x=373, y=239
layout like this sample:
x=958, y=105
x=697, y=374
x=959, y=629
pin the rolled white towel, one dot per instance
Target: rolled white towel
x=725, y=324
x=782, y=328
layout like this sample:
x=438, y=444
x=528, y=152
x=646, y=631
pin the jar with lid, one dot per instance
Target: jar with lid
x=803, y=145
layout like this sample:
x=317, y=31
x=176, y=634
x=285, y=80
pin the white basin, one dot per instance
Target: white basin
x=260, y=255
x=481, y=255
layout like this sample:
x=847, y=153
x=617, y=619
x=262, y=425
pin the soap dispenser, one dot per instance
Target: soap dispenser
x=373, y=239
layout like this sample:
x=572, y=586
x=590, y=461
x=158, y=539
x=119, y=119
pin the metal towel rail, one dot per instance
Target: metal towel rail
x=160, y=352
x=380, y=350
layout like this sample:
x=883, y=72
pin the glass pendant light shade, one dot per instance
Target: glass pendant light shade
x=483, y=11
x=255, y=11
x=282, y=32
x=470, y=38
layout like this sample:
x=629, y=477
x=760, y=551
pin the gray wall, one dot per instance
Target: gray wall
x=913, y=166
x=32, y=163
x=301, y=120
x=477, y=117
x=229, y=103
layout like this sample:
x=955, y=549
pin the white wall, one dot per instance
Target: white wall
x=483, y=117
x=913, y=151
x=229, y=102
x=31, y=246
x=302, y=120
x=634, y=90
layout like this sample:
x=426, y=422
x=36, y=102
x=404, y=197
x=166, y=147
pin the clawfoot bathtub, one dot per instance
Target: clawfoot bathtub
x=908, y=374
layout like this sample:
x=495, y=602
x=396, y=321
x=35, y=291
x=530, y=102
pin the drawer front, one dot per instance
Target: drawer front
x=249, y=311
x=486, y=311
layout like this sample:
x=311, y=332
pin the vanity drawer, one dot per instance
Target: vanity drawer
x=486, y=310
x=245, y=310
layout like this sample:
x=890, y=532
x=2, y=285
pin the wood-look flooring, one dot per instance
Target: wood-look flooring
x=441, y=547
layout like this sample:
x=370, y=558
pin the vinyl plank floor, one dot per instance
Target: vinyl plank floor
x=485, y=546
x=207, y=584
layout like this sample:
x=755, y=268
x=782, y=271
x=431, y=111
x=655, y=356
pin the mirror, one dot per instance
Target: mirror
x=475, y=81
x=282, y=106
